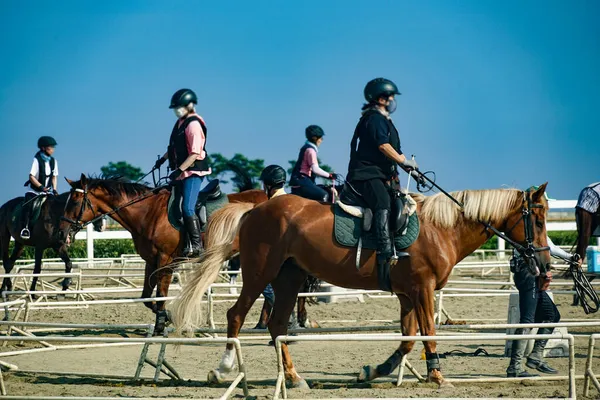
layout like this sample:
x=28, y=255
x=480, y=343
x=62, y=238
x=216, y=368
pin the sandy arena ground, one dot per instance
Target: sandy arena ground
x=330, y=368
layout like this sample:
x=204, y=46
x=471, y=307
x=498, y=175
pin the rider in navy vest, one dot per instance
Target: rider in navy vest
x=307, y=167
x=43, y=178
x=375, y=152
x=188, y=161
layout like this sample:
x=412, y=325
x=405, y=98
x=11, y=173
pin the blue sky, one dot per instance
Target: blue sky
x=494, y=93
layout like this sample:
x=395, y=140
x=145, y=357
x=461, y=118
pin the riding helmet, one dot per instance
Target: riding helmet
x=273, y=175
x=314, y=130
x=183, y=97
x=46, y=141
x=380, y=87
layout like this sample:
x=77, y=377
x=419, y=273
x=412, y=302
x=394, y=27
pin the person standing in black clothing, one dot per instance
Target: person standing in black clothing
x=375, y=152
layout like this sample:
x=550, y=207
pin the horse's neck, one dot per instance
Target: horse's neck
x=131, y=217
x=469, y=236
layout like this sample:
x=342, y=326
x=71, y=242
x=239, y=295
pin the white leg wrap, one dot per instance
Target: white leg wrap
x=227, y=361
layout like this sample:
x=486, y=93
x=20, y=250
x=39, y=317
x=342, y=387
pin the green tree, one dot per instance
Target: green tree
x=246, y=172
x=122, y=169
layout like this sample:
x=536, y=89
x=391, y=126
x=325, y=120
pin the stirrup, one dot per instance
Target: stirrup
x=25, y=234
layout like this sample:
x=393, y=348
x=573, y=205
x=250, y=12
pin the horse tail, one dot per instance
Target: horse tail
x=221, y=231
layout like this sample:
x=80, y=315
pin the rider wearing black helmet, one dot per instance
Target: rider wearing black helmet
x=375, y=152
x=187, y=160
x=273, y=178
x=43, y=178
x=307, y=167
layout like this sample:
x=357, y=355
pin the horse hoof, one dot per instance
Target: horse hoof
x=366, y=374
x=214, y=376
x=445, y=385
x=301, y=384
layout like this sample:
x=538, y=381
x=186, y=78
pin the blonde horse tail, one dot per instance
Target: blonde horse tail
x=220, y=234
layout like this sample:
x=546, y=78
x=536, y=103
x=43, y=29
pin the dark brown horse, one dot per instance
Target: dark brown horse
x=43, y=236
x=587, y=225
x=155, y=239
x=302, y=230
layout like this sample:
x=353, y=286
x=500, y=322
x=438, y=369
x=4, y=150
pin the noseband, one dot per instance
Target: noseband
x=77, y=225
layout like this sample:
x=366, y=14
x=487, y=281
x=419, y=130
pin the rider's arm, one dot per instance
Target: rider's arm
x=32, y=173
x=389, y=151
x=55, y=182
x=195, y=140
x=313, y=161
x=557, y=251
x=34, y=182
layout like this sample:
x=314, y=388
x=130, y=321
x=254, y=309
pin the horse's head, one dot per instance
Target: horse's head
x=79, y=209
x=526, y=225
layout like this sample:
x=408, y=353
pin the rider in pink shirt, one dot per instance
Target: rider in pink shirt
x=307, y=167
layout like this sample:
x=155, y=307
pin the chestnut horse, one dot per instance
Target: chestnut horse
x=302, y=230
x=143, y=212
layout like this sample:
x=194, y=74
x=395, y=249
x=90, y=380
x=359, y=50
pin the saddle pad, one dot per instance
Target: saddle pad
x=174, y=210
x=36, y=210
x=347, y=230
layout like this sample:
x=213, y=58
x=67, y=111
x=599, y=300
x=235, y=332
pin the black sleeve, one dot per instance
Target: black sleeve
x=378, y=129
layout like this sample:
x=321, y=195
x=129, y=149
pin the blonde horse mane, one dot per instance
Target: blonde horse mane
x=479, y=205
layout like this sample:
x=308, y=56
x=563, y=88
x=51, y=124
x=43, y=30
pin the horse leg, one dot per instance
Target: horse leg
x=149, y=285
x=286, y=286
x=165, y=275
x=235, y=319
x=64, y=256
x=9, y=262
x=408, y=321
x=39, y=254
x=424, y=300
x=302, y=313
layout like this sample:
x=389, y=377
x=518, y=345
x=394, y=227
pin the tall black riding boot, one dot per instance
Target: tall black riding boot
x=515, y=368
x=381, y=218
x=536, y=358
x=192, y=226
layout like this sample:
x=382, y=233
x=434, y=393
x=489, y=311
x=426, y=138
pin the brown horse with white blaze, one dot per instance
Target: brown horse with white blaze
x=302, y=230
x=143, y=212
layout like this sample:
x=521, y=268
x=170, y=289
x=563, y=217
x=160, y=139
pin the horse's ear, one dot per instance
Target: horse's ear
x=84, y=181
x=539, y=193
x=70, y=182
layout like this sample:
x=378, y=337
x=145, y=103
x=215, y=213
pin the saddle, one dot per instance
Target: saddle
x=403, y=206
x=209, y=200
x=352, y=222
x=36, y=209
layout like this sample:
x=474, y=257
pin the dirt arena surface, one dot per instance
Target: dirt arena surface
x=329, y=367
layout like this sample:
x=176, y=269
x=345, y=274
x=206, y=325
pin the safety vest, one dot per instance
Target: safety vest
x=178, y=151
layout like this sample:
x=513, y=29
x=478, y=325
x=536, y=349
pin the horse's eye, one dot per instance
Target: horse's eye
x=539, y=224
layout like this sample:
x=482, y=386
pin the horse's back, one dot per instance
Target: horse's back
x=254, y=196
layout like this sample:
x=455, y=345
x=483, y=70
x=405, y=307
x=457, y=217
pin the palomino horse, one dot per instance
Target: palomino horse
x=303, y=230
x=143, y=212
x=42, y=237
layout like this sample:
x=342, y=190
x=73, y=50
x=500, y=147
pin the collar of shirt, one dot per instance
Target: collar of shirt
x=314, y=146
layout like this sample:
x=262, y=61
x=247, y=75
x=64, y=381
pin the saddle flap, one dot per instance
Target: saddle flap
x=210, y=192
x=351, y=197
x=399, y=217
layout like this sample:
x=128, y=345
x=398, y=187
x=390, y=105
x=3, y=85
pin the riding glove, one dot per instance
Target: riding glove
x=333, y=175
x=412, y=164
x=174, y=175
x=55, y=192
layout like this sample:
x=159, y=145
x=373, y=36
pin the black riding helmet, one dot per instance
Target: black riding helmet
x=183, y=97
x=380, y=87
x=46, y=141
x=314, y=130
x=273, y=175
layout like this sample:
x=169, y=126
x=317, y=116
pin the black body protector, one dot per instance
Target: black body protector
x=177, y=149
x=42, y=173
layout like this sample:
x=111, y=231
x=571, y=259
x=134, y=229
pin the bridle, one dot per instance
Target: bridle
x=78, y=224
x=527, y=251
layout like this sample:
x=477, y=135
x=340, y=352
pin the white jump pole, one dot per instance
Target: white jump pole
x=89, y=229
